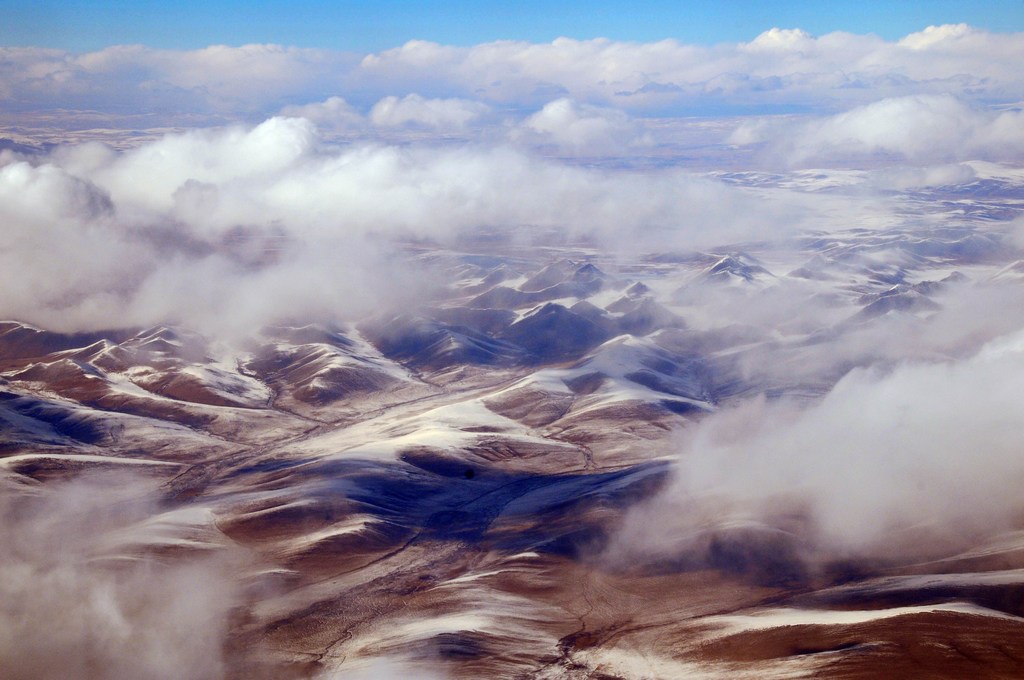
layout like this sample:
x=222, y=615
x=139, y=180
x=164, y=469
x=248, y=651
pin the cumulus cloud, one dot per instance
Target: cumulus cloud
x=167, y=233
x=916, y=128
x=583, y=128
x=184, y=87
x=53, y=219
x=196, y=227
x=224, y=229
x=915, y=462
x=948, y=34
x=781, y=39
x=779, y=68
x=334, y=113
x=82, y=599
x=416, y=111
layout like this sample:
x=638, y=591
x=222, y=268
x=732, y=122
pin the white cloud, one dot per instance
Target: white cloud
x=585, y=129
x=937, y=35
x=917, y=128
x=62, y=241
x=225, y=229
x=149, y=176
x=334, y=113
x=781, y=67
x=80, y=603
x=912, y=463
x=781, y=39
x=416, y=111
x=170, y=85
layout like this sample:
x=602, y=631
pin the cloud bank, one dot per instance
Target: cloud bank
x=781, y=68
x=914, y=462
x=919, y=129
x=229, y=228
x=232, y=226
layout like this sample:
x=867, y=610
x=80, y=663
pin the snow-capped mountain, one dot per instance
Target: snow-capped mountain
x=473, y=483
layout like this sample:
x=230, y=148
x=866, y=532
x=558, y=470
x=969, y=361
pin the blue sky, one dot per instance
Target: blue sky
x=82, y=25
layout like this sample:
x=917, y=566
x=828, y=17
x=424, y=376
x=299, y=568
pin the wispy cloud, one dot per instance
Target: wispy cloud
x=84, y=599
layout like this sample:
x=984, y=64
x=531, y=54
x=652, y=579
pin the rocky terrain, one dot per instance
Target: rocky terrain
x=505, y=481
